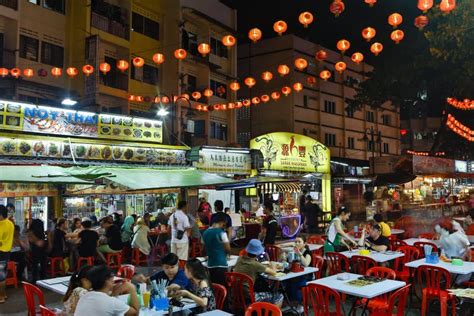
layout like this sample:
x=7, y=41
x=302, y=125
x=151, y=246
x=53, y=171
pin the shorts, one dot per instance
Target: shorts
x=269, y=297
x=4, y=257
x=181, y=250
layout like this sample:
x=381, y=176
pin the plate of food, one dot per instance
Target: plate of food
x=9, y=147
x=25, y=148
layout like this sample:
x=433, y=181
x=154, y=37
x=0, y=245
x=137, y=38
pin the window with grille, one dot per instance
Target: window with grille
x=386, y=148
x=350, y=142
x=218, y=49
x=330, y=106
x=145, y=26
x=52, y=54
x=370, y=116
x=218, y=131
x=386, y=119
x=330, y=139
x=29, y=48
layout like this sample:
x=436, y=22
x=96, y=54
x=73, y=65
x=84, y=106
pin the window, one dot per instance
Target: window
x=200, y=128
x=305, y=101
x=150, y=74
x=29, y=48
x=218, y=131
x=218, y=88
x=38, y=2
x=52, y=54
x=55, y=5
x=350, y=112
x=386, y=119
x=192, y=83
x=218, y=49
x=114, y=78
x=350, y=142
x=190, y=42
x=370, y=117
x=145, y=26
x=330, y=139
x=330, y=106
x=243, y=138
x=370, y=145
x=386, y=148
x=243, y=113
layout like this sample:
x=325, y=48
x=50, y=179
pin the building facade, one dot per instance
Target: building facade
x=41, y=34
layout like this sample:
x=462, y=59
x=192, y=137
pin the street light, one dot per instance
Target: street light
x=162, y=112
x=68, y=102
x=371, y=132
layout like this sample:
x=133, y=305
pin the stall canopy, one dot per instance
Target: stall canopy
x=254, y=182
x=37, y=174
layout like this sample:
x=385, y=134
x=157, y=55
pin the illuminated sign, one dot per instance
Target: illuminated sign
x=223, y=161
x=293, y=153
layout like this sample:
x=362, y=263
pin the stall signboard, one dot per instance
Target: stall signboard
x=291, y=152
x=460, y=166
x=30, y=118
x=27, y=189
x=224, y=161
x=423, y=165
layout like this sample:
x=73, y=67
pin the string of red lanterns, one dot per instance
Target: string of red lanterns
x=465, y=104
x=424, y=153
x=459, y=128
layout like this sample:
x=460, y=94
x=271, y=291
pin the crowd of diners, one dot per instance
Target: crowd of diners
x=93, y=291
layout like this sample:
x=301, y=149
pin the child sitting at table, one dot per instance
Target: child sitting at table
x=293, y=288
x=78, y=286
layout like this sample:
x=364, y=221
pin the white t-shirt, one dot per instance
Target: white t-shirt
x=100, y=304
x=182, y=224
x=332, y=231
x=455, y=244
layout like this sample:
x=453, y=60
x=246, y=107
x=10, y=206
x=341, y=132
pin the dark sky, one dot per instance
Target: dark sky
x=327, y=29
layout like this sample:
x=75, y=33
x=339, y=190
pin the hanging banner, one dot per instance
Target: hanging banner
x=292, y=153
x=432, y=166
x=223, y=161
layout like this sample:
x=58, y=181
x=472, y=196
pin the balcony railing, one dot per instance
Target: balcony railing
x=12, y=4
x=105, y=24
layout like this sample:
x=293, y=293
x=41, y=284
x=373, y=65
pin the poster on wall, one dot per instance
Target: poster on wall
x=292, y=152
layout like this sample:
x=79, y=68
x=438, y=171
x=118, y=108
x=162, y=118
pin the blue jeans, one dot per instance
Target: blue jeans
x=4, y=256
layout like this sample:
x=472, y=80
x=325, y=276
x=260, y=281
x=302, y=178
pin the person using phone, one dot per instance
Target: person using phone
x=375, y=241
x=180, y=229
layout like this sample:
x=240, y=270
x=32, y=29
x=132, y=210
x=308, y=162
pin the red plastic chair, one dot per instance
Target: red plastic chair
x=435, y=287
x=321, y=298
x=380, y=302
x=46, y=311
x=220, y=292
x=196, y=248
x=426, y=235
x=420, y=246
x=235, y=282
x=360, y=264
x=31, y=291
x=126, y=271
x=182, y=264
x=395, y=244
x=336, y=263
x=398, y=299
x=315, y=240
x=84, y=261
x=242, y=252
x=56, y=266
x=113, y=259
x=273, y=252
x=317, y=262
x=138, y=258
x=411, y=253
x=12, y=278
x=263, y=309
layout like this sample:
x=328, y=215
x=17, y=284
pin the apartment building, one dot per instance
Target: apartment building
x=41, y=34
x=319, y=110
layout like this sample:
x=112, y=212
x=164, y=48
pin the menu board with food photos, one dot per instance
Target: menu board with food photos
x=48, y=120
x=27, y=189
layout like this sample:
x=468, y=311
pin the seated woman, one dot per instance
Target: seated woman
x=98, y=302
x=201, y=291
x=78, y=286
x=303, y=255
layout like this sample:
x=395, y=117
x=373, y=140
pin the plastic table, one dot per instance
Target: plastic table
x=377, y=256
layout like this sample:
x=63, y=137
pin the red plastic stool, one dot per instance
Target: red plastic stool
x=138, y=258
x=113, y=260
x=126, y=254
x=84, y=261
x=56, y=266
x=196, y=247
x=158, y=252
x=11, y=274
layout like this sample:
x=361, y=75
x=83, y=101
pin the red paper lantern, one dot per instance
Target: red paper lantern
x=265, y=98
x=122, y=65
x=376, y=48
x=165, y=100
x=131, y=97
x=337, y=7
x=370, y=2
x=228, y=41
x=283, y=70
x=321, y=55
x=104, y=68
x=56, y=72
x=87, y=70
x=325, y=75
x=301, y=63
x=421, y=21
x=267, y=76
x=158, y=58
x=234, y=86
x=447, y=5
x=138, y=62
x=368, y=33
x=255, y=34
x=208, y=93
x=246, y=102
x=180, y=54
x=357, y=57
x=275, y=95
x=343, y=45
x=425, y=5
x=28, y=72
x=280, y=27
x=139, y=98
x=403, y=132
x=297, y=86
x=204, y=49
x=306, y=18
x=311, y=80
x=340, y=66
x=395, y=19
x=15, y=72
x=250, y=82
x=397, y=36
x=286, y=90
x=72, y=72
x=4, y=72
x=255, y=100
x=42, y=73
x=196, y=95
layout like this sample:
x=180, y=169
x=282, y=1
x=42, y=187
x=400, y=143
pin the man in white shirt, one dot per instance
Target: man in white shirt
x=180, y=229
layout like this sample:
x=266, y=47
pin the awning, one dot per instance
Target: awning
x=280, y=187
x=37, y=174
x=254, y=182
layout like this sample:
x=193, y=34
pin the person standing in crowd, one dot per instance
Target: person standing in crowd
x=127, y=230
x=217, y=247
x=311, y=212
x=88, y=239
x=7, y=231
x=98, y=302
x=11, y=212
x=18, y=253
x=140, y=237
x=219, y=207
x=336, y=234
x=270, y=225
x=38, y=245
x=180, y=229
x=386, y=232
x=57, y=240
x=114, y=240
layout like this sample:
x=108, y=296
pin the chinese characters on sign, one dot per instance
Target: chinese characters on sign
x=221, y=161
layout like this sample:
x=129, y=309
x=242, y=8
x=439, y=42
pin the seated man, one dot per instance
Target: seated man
x=248, y=265
x=375, y=241
x=386, y=231
x=170, y=273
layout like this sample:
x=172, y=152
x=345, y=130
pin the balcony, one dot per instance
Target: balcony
x=12, y=4
x=110, y=26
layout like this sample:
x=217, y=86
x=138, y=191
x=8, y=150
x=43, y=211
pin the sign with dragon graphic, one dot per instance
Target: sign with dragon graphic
x=292, y=153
